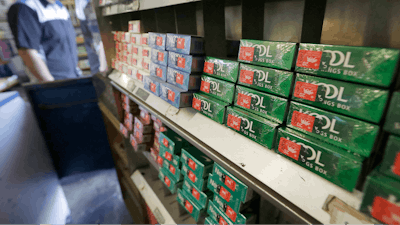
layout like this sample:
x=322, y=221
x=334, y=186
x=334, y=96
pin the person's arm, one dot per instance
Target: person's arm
x=35, y=64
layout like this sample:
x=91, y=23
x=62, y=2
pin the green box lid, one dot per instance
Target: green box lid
x=196, y=194
x=210, y=107
x=221, y=68
x=392, y=123
x=390, y=165
x=216, y=88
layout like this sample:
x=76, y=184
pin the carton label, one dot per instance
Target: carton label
x=139, y=76
x=179, y=78
x=385, y=211
x=196, y=104
x=135, y=50
x=160, y=56
x=159, y=160
x=181, y=62
x=172, y=169
x=159, y=72
x=145, y=52
x=289, y=148
x=396, y=165
x=168, y=156
x=192, y=176
x=144, y=40
x=195, y=194
x=231, y=184
x=133, y=40
x=165, y=142
x=234, y=122
x=306, y=91
x=230, y=213
x=159, y=41
x=303, y=121
x=205, y=86
x=180, y=43
x=225, y=194
x=244, y=100
x=171, y=95
x=246, y=53
x=246, y=76
x=191, y=164
x=153, y=87
x=167, y=181
x=209, y=67
x=134, y=61
x=188, y=206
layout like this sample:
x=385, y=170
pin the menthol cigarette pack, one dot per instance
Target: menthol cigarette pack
x=221, y=68
x=166, y=154
x=175, y=171
x=217, y=214
x=183, y=80
x=175, y=96
x=392, y=123
x=172, y=141
x=382, y=198
x=193, y=209
x=278, y=55
x=210, y=107
x=197, y=161
x=185, y=63
x=250, y=125
x=159, y=56
x=277, y=82
x=234, y=216
x=373, y=66
x=198, y=181
x=169, y=181
x=144, y=41
x=263, y=104
x=218, y=187
x=157, y=40
x=219, y=89
x=390, y=165
x=158, y=71
x=351, y=134
x=152, y=84
x=185, y=44
x=196, y=195
x=326, y=160
x=359, y=101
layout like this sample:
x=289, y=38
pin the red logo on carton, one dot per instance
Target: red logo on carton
x=303, y=121
x=153, y=87
x=192, y=164
x=230, y=213
x=246, y=53
x=137, y=134
x=159, y=72
x=134, y=61
x=225, y=194
x=125, y=59
x=135, y=50
x=196, y=104
x=192, y=177
x=139, y=76
x=385, y=211
x=246, y=76
x=171, y=95
x=145, y=52
x=181, y=62
x=167, y=181
x=159, y=41
x=205, y=86
x=234, y=122
x=165, y=142
x=179, y=78
x=159, y=160
x=289, y=148
x=123, y=130
x=244, y=100
x=195, y=194
x=133, y=40
x=172, y=169
x=160, y=56
x=188, y=206
x=231, y=184
x=133, y=141
x=168, y=156
x=144, y=40
x=306, y=91
x=309, y=59
x=396, y=165
x=222, y=221
x=208, y=67
x=180, y=43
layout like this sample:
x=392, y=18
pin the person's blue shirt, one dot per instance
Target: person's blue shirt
x=46, y=27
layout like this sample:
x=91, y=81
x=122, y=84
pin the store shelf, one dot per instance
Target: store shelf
x=293, y=189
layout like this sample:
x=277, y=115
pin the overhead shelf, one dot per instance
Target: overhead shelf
x=292, y=188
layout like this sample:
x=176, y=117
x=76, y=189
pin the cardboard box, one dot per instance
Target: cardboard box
x=173, y=141
x=351, y=134
x=175, y=96
x=278, y=55
x=221, y=68
x=142, y=126
x=215, y=185
x=210, y=107
x=234, y=204
x=175, y=171
x=143, y=138
x=166, y=178
x=185, y=44
x=266, y=105
x=140, y=74
x=158, y=71
x=135, y=39
x=134, y=26
x=152, y=84
x=183, y=80
x=234, y=216
x=159, y=56
x=146, y=52
x=136, y=51
x=134, y=61
x=198, y=182
x=171, y=158
x=157, y=40
x=194, y=210
x=381, y=198
x=185, y=63
x=278, y=82
x=390, y=165
x=250, y=125
x=392, y=123
x=373, y=66
x=137, y=146
x=197, y=161
x=217, y=214
x=330, y=162
x=196, y=195
x=217, y=88
x=362, y=102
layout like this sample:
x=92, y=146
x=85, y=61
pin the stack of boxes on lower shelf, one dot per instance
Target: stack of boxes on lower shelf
x=158, y=127
x=130, y=109
x=142, y=137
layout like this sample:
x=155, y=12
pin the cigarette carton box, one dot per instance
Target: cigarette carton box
x=142, y=127
x=185, y=63
x=210, y=107
x=139, y=147
x=185, y=44
x=278, y=82
x=143, y=138
x=234, y=216
x=362, y=102
x=210, y=220
x=373, y=66
x=330, y=162
x=216, y=214
x=136, y=51
x=173, y=159
x=198, y=181
x=278, y=55
x=145, y=53
x=194, y=210
x=392, y=123
x=159, y=56
x=234, y=204
x=172, y=141
x=217, y=88
x=175, y=171
x=157, y=40
x=145, y=116
x=351, y=134
x=218, y=187
x=390, y=165
x=197, y=161
x=381, y=198
x=198, y=196
x=221, y=68
x=134, y=61
x=145, y=64
x=183, y=80
x=152, y=84
x=175, y=96
x=144, y=41
x=250, y=125
x=266, y=105
x=168, y=180
x=134, y=26
x=135, y=39
x=158, y=71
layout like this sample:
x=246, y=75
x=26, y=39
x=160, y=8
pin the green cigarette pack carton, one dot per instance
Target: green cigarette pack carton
x=351, y=134
x=199, y=182
x=218, y=187
x=363, y=102
x=200, y=197
x=250, y=125
x=175, y=171
x=392, y=123
x=278, y=82
x=210, y=220
x=217, y=215
x=197, y=161
x=221, y=68
x=166, y=178
x=332, y=163
x=266, y=105
x=374, y=66
x=233, y=215
x=172, y=141
x=210, y=107
x=234, y=204
x=390, y=165
x=167, y=155
x=279, y=55
x=194, y=210
x=217, y=88
x=382, y=198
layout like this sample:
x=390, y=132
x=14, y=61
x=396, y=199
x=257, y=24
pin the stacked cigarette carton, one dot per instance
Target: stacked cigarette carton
x=158, y=127
x=142, y=137
x=130, y=109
